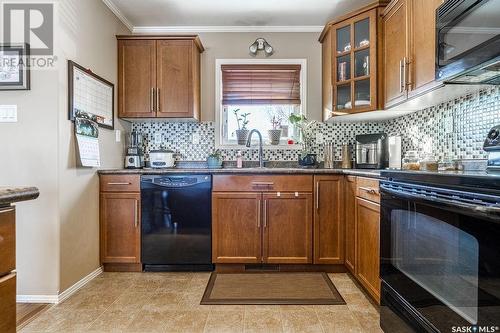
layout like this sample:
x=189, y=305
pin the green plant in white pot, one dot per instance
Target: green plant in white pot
x=242, y=131
x=306, y=128
x=214, y=160
x=275, y=133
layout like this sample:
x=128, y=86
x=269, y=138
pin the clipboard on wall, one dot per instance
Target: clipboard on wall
x=90, y=94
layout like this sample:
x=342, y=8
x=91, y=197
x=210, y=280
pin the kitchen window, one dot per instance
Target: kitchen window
x=261, y=94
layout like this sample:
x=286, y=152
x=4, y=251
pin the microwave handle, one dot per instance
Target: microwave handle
x=485, y=210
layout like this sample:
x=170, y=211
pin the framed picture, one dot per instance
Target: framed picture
x=14, y=67
x=90, y=96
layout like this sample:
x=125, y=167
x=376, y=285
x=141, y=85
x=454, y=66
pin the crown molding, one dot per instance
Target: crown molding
x=118, y=13
x=234, y=28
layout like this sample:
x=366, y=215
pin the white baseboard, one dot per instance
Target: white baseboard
x=37, y=299
x=55, y=299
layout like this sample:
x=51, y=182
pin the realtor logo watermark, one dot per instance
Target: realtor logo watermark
x=30, y=24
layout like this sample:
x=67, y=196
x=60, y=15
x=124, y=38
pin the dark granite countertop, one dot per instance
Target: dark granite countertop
x=9, y=194
x=273, y=170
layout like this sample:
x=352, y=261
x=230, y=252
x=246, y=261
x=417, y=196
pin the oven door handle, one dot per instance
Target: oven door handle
x=490, y=211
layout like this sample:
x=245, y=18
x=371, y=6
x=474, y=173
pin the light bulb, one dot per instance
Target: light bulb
x=253, y=48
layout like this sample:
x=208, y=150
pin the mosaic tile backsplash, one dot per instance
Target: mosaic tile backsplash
x=455, y=129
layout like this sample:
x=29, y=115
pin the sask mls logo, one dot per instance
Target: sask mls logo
x=30, y=23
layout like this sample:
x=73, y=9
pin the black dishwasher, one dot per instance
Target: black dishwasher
x=176, y=222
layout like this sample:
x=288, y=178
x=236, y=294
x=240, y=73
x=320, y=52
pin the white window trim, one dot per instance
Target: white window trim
x=218, y=95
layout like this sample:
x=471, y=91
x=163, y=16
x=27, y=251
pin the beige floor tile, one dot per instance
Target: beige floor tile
x=161, y=301
x=339, y=322
x=62, y=321
x=225, y=321
x=149, y=321
x=301, y=321
x=185, y=321
x=112, y=321
x=170, y=302
x=108, y=285
x=287, y=308
x=262, y=321
x=266, y=308
x=89, y=301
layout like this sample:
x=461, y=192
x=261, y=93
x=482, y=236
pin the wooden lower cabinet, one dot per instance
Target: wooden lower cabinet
x=236, y=227
x=8, y=303
x=350, y=223
x=287, y=235
x=368, y=246
x=7, y=267
x=260, y=219
x=120, y=219
x=328, y=220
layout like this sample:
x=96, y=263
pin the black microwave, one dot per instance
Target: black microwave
x=468, y=42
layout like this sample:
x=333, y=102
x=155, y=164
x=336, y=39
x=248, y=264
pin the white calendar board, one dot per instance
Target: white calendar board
x=90, y=96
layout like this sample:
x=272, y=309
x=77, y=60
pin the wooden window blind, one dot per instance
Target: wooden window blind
x=260, y=84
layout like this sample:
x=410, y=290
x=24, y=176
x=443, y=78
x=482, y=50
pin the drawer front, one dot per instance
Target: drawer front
x=8, y=303
x=120, y=183
x=368, y=188
x=7, y=241
x=259, y=183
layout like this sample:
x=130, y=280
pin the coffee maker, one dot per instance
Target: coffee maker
x=134, y=156
x=371, y=151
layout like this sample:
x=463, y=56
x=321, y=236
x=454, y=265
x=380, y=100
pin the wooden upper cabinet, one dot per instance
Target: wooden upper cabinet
x=136, y=78
x=409, y=49
x=368, y=246
x=159, y=77
x=177, y=80
x=287, y=226
x=120, y=215
x=423, y=45
x=328, y=220
x=350, y=223
x=350, y=62
x=236, y=227
x=395, y=54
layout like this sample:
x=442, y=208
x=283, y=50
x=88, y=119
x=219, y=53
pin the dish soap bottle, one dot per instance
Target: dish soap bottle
x=239, y=159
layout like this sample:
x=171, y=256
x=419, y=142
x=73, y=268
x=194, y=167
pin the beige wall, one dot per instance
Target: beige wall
x=87, y=36
x=58, y=234
x=286, y=45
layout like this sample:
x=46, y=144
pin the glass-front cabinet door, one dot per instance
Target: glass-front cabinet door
x=354, y=70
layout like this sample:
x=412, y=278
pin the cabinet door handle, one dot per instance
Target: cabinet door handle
x=401, y=76
x=368, y=189
x=136, y=213
x=120, y=184
x=158, y=99
x=317, y=195
x=262, y=183
x=259, y=216
x=404, y=74
x=265, y=213
x=152, y=100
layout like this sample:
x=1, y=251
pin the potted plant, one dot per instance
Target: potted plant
x=307, y=157
x=242, y=131
x=275, y=133
x=214, y=160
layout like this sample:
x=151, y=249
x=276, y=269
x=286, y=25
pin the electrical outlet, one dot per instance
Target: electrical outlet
x=118, y=135
x=158, y=138
x=8, y=113
x=320, y=138
x=196, y=139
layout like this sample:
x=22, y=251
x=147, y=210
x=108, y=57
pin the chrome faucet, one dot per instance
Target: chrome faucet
x=261, y=152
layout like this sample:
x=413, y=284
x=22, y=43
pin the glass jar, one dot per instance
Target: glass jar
x=428, y=163
x=447, y=164
x=411, y=160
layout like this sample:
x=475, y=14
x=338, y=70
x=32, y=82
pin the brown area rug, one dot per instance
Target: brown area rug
x=271, y=288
